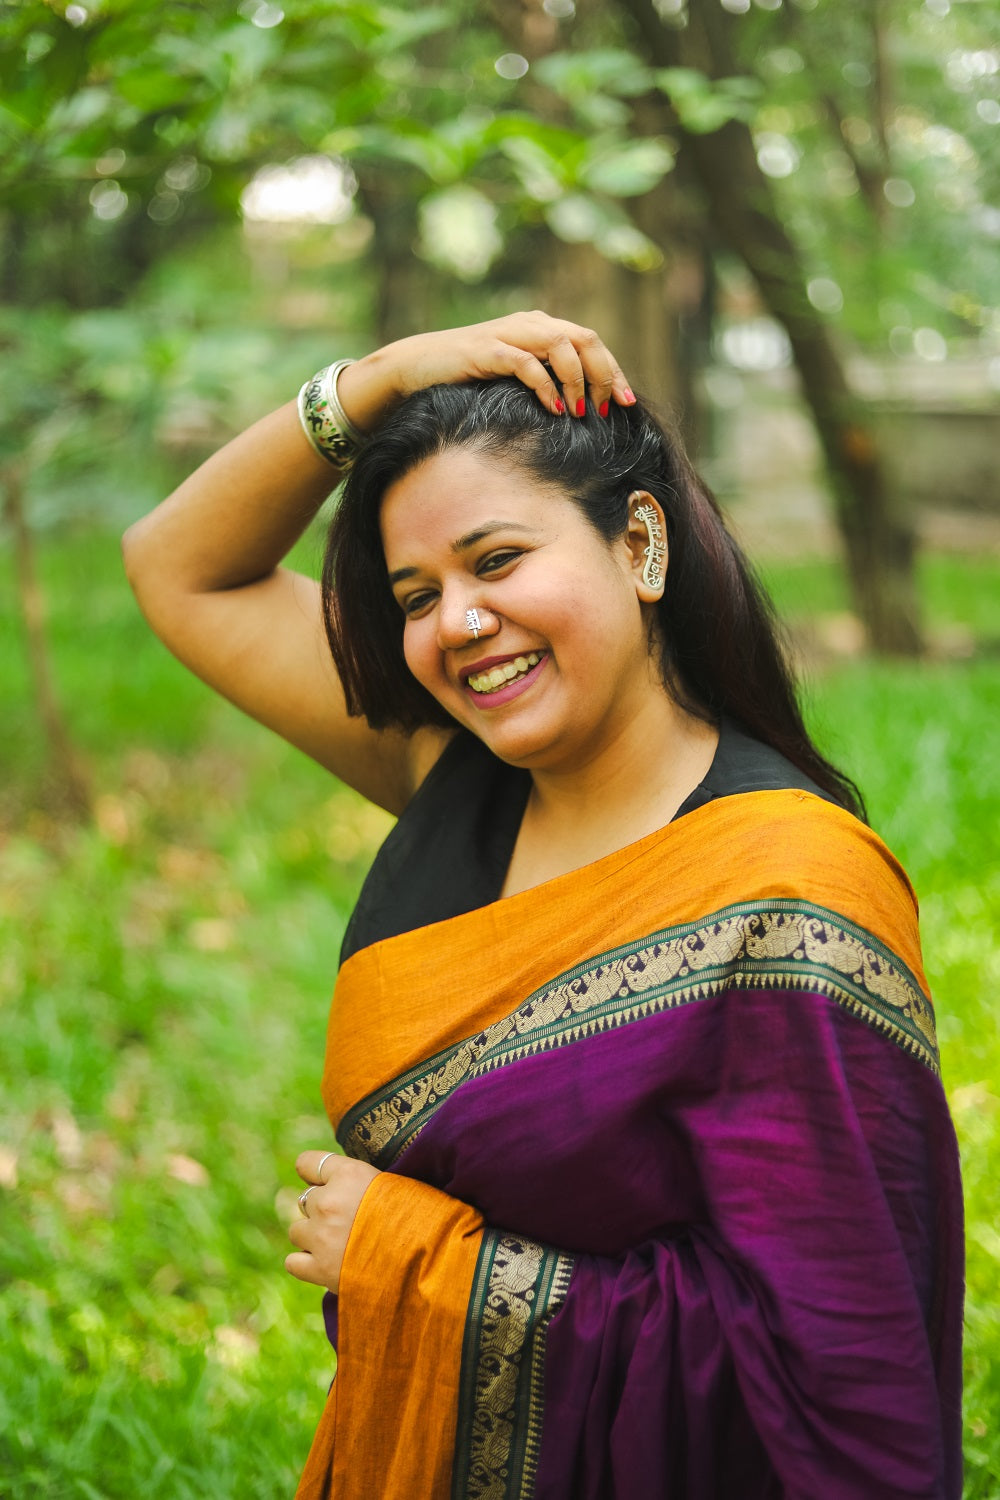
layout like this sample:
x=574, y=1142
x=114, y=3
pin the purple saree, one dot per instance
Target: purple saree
x=670, y=1206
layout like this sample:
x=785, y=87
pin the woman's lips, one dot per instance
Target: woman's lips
x=497, y=681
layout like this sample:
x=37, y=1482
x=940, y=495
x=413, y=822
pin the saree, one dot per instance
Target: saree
x=669, y=1201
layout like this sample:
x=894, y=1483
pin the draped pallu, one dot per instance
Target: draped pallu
x=670, y=1205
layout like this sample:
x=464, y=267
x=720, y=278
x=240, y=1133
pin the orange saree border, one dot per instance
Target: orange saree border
x=404, y=999
x=407, y=1277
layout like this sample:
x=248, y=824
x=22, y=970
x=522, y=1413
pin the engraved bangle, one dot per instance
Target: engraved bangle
x=324, y=421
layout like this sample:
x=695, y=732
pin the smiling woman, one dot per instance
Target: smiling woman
x=528, y=573
x=631, y=1053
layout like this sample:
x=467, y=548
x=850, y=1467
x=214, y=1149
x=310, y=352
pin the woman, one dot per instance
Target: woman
x=650, y=1186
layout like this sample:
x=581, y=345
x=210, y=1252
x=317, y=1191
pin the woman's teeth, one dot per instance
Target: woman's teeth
x=498, y=677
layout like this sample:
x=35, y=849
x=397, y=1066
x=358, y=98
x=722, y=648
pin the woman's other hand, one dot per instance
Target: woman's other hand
x=329, y=1205
x=522, y=344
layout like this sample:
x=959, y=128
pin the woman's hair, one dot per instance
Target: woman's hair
x=718, y=638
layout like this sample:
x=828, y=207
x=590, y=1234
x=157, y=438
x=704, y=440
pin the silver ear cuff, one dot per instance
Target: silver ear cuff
x=655, y=553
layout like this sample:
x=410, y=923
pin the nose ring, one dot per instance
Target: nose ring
x=473, y=623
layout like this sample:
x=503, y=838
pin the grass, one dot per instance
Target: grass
x=164, y=976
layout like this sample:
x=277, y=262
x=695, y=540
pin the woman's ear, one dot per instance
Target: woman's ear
x=646, y=538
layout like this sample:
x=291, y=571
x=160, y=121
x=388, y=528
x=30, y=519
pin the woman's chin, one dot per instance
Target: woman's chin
x=514, y=739
x=531, y=746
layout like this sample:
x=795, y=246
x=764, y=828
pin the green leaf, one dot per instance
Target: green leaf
x=458, y=231
x=608, y=70
x=578, y=219
x=629, y=168
x=703, y=104
x=402, y=29
x=405, y=141
x=546, y=161
x=626, y=244
x=151, y=89
x=81, y=109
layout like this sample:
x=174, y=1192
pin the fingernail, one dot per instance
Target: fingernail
x=581, y=407
x=629, y=397
x=560, y=405
x=603, y=408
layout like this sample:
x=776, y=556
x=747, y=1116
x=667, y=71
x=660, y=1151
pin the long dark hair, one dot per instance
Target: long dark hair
x=718, y=635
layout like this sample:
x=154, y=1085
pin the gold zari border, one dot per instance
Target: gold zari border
x=518, y=1285
x=791, y=945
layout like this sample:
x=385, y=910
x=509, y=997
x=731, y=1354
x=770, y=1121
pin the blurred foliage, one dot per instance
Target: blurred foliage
x=129, y=131
x=880, y=124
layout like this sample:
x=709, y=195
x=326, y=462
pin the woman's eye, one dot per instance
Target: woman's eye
x=497, y=560
x=416, y=603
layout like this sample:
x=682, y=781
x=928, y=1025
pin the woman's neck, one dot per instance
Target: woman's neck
x=632, y=787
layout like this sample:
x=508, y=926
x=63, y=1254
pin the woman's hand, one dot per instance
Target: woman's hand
x=521, y=344
x=329, y=1205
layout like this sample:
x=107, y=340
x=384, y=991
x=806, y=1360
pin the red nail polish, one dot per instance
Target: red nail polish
x=628, y=396
x=560, y=405
x=603, y=408
x=581, y=407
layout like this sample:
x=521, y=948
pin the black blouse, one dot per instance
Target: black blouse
x=450, y=851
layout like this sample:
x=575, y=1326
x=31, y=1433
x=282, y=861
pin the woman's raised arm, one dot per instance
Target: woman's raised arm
x=204, y=564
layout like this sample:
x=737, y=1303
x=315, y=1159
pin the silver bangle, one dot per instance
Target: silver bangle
x=324, y=421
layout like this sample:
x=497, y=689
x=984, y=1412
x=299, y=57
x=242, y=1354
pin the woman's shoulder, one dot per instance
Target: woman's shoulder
x=795, y=825
x=743, y=764
x=778, y=849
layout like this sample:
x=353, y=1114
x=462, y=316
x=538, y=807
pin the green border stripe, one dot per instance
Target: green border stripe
x=393, y=1115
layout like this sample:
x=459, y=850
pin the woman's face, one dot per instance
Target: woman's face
x=562, y=662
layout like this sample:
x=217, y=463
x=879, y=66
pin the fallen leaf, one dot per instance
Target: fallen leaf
x=975, y=1098
x=8, y=1167
x=234, y=1346
x=186, y=1169
x=111, y=817
x=166, y=1280
x=180, y=866
x=67, y=1137
x=78, y=1199
x=211, y=935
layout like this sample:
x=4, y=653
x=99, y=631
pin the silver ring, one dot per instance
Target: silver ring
x=322, y=1163
x=473, y=623
x=303, y=1197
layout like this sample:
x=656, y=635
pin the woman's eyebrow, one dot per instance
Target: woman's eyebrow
x=472, y=537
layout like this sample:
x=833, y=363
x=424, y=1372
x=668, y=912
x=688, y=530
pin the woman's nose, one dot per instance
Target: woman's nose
x=462, y=620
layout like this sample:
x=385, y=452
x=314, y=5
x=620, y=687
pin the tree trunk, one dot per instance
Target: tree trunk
x=629, y=309
x=66, y=782
x=877, y=532
x=405, y=285
x=668, y=311
x=636, y=313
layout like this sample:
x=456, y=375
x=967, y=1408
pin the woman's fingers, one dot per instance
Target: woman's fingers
x=577, y=356
x=512, y=359
x=306, y=1267
x=336, y=1186
x=532, y=346
x=316, y=1166
x=319, y=1251
x=581, y=361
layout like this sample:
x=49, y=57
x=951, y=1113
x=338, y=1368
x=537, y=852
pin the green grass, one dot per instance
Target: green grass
x=955, y=591
x=164, y=977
